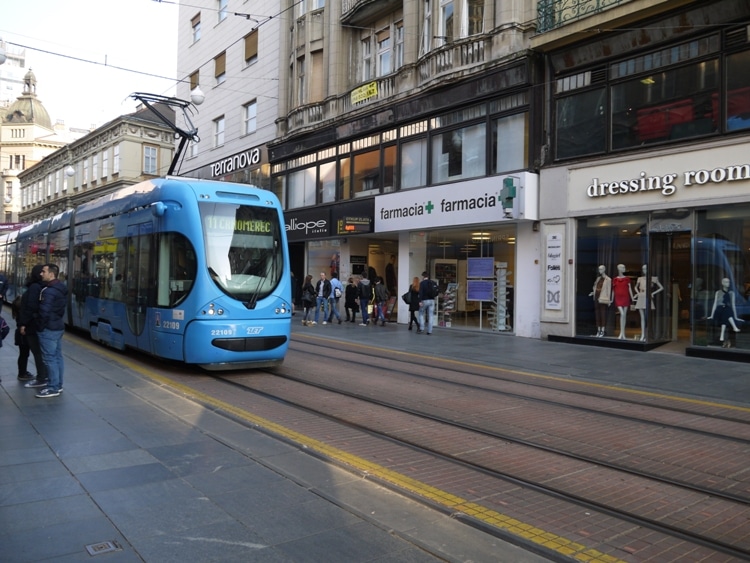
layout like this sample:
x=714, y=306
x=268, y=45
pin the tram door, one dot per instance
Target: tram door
x=669, y=317
x=139, y=279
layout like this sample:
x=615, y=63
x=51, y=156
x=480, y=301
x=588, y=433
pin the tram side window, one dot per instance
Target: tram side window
x=177, y=268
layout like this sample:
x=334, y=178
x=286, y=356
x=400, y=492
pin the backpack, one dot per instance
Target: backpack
x=336, y=292
x=432, y=290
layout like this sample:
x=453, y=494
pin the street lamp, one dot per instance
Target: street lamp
x=69, y=172
x=197, y=96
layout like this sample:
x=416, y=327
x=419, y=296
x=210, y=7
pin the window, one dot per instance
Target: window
x=251, y=114
x=58, y=174
x=509, y=143
x=384, y=53
x=95, y=168
x=85, y=171
x=738, y=91
x=366, y=168
x=219, y=131
x=301, y=81
x=398, y=48
x=414, y=164
x=194, y=80
x=105, y=163
x=459, y=154
x=472, y=18
x=366, y=60
x=426, y=45
x=116, y=159
x=49, y=186
x=328, y=182
x=301, y=189
x=251, y=47
x=195, y=23
x=149, y=159
x=220, y=68
x=222, y=8
x=446, y=21
x=193, y=149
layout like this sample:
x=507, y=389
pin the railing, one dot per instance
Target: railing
x=552, y=14
x=462, y=55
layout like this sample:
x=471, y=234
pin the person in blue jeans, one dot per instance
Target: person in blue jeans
x=323, y=293
x=50, y=329
x=337, y=291
x=427, y=295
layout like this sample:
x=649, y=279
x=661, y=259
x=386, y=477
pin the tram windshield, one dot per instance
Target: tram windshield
x=243, y=249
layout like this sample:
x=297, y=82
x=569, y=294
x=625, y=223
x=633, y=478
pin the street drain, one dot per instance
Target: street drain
x=103, y=547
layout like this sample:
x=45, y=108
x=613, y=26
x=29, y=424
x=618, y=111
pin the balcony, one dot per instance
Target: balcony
x=461, y=58
x=358, y=12
x=552, y=14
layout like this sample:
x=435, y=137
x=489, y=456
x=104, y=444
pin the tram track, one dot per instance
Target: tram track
x=309, y=402
x=649, y=401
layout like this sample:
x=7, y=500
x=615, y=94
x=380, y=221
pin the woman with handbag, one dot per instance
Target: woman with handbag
x=308, y=300
x=414, y=302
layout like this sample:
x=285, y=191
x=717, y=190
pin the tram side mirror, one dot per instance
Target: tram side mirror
x=158, y=209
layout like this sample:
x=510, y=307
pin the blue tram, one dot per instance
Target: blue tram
x=182, y=269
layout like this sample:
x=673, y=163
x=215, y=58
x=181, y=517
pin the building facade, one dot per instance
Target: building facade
x=125, y=151
x=648, y=175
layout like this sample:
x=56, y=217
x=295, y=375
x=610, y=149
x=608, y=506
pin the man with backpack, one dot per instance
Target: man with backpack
x=428, y=292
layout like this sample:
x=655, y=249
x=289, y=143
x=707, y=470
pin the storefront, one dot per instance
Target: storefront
x=654, y=251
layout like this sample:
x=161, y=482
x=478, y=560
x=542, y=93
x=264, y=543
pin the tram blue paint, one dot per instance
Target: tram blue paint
x=205, y=270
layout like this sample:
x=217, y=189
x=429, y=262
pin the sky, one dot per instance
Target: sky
x=139, y=35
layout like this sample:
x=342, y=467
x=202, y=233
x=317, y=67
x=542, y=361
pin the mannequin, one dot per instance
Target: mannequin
x=623, y=296
x=602, y=294
x=641, y=287
x=725, y=311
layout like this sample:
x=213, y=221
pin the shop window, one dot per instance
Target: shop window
x=721, y=286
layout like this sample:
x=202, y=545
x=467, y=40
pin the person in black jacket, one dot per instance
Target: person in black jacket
x=414, y=303
x=28, y=310
x=51, y=326
x=351, y=297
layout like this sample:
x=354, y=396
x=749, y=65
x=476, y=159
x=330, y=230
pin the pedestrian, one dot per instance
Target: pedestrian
x=381, y=298
x=337, y=291
x=427, y=294
x=365, y=297
x=322, y=294
x=27, y=326
x=351, y=296
x=308, y=299
x=414, y=303
x=51, y=326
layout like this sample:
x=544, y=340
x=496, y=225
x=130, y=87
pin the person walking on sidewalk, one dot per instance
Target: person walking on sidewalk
x=414, y=303
x=51, y=325
x=28, y=310
x=308, y=299
x=337, y=291
x=365, y=296
x=381, y=297
x=427, y=294
x=351, y=296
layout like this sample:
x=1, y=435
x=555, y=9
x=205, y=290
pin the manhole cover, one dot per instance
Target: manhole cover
x=103, y=547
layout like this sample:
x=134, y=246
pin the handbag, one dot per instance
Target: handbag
x=369, y=308
x=336, y=292
x=407, y=297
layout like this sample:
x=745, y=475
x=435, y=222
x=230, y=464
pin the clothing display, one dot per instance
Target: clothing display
x=621, y=289
x=641, y=290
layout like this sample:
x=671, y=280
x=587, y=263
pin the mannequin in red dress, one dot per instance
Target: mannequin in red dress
x=623, y=294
